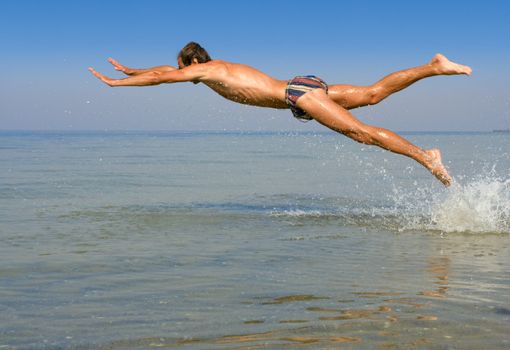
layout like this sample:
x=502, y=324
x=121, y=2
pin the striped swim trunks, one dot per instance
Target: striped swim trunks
x=299, y=86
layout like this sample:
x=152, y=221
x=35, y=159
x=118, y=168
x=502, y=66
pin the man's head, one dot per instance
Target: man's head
x=192, y=53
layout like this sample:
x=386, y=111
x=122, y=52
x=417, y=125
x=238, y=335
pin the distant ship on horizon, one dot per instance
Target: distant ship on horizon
x=501, y=130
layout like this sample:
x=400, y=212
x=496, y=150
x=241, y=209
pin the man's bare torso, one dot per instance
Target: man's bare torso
x=243, y=84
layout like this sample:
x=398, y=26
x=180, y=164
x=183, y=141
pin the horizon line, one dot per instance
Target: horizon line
x=204, y=131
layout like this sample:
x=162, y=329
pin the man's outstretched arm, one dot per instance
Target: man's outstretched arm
x=136, y=71
x=154, y=77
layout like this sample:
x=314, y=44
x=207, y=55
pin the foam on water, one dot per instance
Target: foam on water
x=476, y=205
x=297, y=213
x=479, y=205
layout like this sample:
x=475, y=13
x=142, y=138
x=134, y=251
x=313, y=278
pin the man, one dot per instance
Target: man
x=308, y=97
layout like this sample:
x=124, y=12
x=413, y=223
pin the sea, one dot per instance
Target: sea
x=251, y=240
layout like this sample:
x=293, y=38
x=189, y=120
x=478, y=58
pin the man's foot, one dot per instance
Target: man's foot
x=437, y=168
x=447, y=67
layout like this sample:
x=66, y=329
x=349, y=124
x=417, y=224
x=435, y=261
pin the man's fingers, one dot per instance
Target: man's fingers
x=101, y=77
x=116, y=64
x=93, y=71
x=97, y=74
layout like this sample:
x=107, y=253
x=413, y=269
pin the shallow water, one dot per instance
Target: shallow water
x=244, y=241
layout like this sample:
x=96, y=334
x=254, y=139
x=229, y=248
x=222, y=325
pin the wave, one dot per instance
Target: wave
x=477, y=205
x=297, y=213
x=481, y=205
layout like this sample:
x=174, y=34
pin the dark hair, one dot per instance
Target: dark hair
x=191, y=51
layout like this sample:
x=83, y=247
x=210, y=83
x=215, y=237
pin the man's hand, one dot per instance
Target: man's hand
x=119, y=66
x=152, y=76
x=103, y=78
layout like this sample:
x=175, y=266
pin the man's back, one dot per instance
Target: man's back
x=242, y=83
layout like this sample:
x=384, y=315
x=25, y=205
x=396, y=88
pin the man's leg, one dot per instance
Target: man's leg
x=349, y=96
x=318, y=105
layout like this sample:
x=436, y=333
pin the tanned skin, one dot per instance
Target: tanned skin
x=247, y=85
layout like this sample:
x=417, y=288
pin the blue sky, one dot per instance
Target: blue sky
x=46, y=47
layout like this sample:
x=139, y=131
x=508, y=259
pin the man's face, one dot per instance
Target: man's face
x=179, y=63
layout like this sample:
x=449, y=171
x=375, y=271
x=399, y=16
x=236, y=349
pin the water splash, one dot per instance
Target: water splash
x=476, y=205
x=296, y=213
x=480, y=205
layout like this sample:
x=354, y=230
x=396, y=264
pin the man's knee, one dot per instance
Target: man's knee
x=375, y=94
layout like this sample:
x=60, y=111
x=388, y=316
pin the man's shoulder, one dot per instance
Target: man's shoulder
x=226, y=65
x=217, y=66
x=218, y=63
x=209, y=65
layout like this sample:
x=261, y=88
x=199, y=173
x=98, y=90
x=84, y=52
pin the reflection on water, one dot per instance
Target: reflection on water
x=293, y=298
x=250, y=241
x=354, y=288
x=382, y=319
x=387, y=319
x=439, y=269
x=285, y=339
